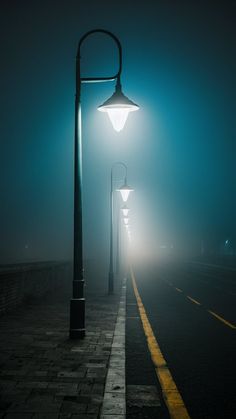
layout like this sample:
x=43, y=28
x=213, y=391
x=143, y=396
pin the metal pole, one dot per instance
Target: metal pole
x=77, y=302
x=118, y=241
x=111, y=270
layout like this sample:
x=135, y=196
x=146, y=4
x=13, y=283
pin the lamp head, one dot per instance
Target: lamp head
x=125, y=210
x=118, y=107
x=125, y=191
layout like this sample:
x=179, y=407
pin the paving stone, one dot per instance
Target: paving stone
x=73, y=407
x=93, y=408
x=84, y=416
x=40, y=373
x=85, y=388
x=18, y=416
x=112, y=416
x=91, y=365
x=45, y=416
x=44, y=375
x=35, y=406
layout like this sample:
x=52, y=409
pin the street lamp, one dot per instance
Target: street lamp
x=111, y=270
x=125, y=210
x=125, y=191
x=118, y=108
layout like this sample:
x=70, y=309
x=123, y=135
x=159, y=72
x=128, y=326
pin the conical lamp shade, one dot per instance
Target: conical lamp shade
x=125, y=191
x=125, y=210
x=118, y=107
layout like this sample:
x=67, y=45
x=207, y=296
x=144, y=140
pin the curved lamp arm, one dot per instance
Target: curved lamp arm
x=78, y=57
x=122, y=164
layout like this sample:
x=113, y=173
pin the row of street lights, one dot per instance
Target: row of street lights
x=118, y=107
x=124, y=190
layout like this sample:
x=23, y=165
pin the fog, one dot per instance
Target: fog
x=179, y=147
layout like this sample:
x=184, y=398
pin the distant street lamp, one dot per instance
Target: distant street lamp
x=125, y=210
x=111, y=270
x=125, y=191
x=118, y=107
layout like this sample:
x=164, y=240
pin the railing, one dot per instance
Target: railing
x=22, y=283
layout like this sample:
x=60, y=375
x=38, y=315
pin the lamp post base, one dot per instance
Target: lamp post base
x=77, y=318
x=77, y=333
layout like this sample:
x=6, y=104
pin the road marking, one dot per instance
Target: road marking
x=226, y=322
x=171, y=395
x=221, y=319
x=114, y=399
x=194, y=301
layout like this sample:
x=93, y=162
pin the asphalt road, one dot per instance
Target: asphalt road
x=192, y=311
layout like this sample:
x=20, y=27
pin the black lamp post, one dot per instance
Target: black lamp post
x=124, y=190
x=118, y=108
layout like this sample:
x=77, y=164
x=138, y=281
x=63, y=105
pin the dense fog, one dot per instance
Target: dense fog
x=179, y=147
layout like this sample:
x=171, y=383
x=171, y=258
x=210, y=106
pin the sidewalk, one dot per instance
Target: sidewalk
x=43, y=374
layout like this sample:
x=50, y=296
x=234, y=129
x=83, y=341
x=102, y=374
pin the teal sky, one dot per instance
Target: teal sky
x=178, y=65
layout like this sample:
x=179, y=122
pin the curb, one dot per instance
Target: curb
x=114, y=402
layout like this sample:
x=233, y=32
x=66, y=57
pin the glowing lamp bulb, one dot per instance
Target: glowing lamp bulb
x=118, y=107
x=125, y=191
x=125, y=210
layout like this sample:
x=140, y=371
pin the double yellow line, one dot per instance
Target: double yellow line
x=171, y=395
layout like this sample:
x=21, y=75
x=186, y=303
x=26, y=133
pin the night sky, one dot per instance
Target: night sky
x=178, y=65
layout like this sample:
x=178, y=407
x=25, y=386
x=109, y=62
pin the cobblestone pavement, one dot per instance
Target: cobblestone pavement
x=44, y=375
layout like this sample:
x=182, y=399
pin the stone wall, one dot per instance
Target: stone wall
x=22, y=283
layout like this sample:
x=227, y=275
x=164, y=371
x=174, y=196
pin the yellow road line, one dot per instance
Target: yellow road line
x=226, y=322
x=222, y=320
x=193, y=301
x=171, y=395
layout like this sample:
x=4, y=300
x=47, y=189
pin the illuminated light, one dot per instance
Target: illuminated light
x=125, y=210
x=125, y=191
x=126, y=221
x=118, y=107
x=118, y=117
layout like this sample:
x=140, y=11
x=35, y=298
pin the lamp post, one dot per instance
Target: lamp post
x=118, y=243
x=125, y=210
x=124, y=190
x=118, y=108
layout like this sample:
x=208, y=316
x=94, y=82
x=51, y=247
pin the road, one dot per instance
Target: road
x=192, y=314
